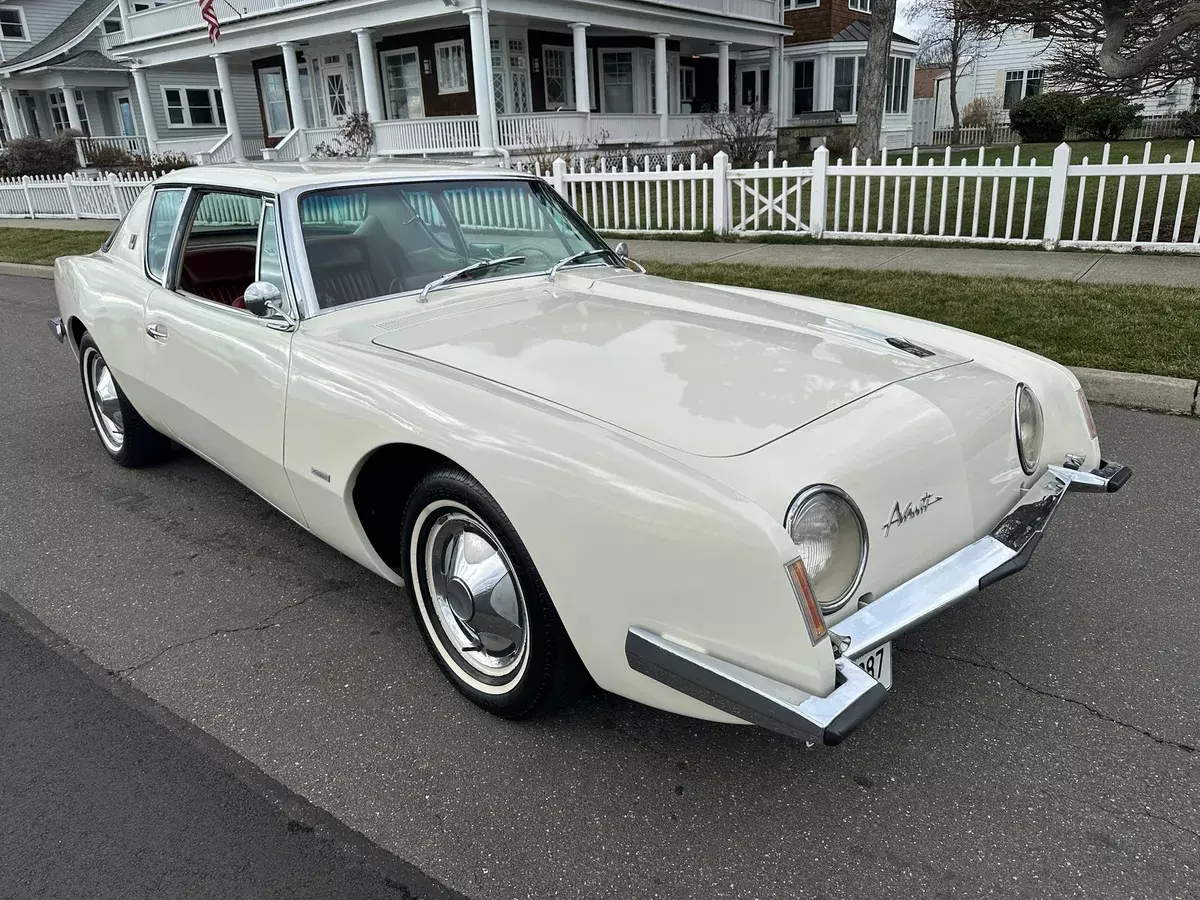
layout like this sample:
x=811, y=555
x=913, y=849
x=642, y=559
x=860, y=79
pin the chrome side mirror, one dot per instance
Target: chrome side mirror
x=622, y=250
x=263, y=299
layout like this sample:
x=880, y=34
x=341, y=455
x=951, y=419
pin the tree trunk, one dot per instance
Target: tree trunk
x=956, y=134
x=874, y=80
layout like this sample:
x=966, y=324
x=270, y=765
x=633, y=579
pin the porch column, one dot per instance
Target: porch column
x=774, y=71
x=123, y=8
x=143, y=95
x=11, y=115
x=291, y=68
x=232, y=128
x=72, y=110
x=722, y=76
x=583, y=101
x=660, y=87
x=481, y=52
x=370, y=73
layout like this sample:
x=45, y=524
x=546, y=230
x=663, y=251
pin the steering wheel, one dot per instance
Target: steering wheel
x=532, y=251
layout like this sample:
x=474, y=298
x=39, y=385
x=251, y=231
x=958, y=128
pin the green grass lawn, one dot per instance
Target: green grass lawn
x=41, y=246
x=1126, y=327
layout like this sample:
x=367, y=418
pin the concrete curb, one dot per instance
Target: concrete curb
x=1157, y=393
x=1177, y=396
x=28, y=271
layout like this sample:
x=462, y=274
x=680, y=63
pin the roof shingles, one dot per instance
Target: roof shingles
x=68, y=29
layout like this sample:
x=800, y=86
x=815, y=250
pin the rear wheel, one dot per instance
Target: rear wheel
x=123, y=433
x=483, y=610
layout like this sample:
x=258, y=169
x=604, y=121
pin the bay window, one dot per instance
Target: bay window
x=849, y=73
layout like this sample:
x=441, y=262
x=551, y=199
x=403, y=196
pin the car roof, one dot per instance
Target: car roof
x=277, y=177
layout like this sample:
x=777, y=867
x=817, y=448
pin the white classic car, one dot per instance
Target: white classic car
x=721, y=502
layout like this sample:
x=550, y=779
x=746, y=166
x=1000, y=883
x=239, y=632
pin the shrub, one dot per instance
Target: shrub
x=746, y=134
x=1188, y=122
x=840, y=144
x=1106, y=118
x=107, y=158
x=34, y=156
x=356, y=139
x=1044, y=117
x=983, y=112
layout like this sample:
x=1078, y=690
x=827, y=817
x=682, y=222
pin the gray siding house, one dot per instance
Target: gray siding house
x=57, y=72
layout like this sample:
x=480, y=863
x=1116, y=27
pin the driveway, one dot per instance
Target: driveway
x=1040, y=740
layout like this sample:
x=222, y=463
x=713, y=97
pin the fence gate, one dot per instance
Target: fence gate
x=923, y=113
x=769, y=199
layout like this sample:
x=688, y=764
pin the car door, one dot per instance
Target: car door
x=220, y=370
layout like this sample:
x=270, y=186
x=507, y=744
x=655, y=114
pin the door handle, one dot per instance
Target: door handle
x=156, y=331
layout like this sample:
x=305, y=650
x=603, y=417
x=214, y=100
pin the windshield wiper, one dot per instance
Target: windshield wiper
x=577, y=257
x=466, y=270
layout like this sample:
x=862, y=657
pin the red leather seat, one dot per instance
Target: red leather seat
x=220, y=274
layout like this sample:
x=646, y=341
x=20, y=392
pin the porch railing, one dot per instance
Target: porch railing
x=431, y=135
x=185, y=16
x=190, y=146
x=525, y=130
x=85, y=148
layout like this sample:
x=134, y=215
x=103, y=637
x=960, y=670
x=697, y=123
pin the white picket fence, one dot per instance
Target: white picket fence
x=1105, y=203
x=1148, y=128
x=1018, y=201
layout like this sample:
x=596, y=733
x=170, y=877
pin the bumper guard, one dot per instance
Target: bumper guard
x=829, y=720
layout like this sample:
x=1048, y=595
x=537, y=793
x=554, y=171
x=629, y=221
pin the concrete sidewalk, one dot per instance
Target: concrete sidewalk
x=1118, y=268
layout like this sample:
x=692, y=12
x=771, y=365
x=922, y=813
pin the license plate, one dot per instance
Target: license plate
x=878, y=664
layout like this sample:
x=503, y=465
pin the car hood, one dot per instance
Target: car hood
x=696, y=368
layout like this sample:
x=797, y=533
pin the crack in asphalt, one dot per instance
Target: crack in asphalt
x=1147, y=813
x=1074, y=701
x=260, y=625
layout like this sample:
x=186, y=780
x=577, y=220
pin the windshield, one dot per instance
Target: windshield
x=373, y=241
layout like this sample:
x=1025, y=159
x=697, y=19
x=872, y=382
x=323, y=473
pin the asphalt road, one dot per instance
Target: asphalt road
x=1040, y=740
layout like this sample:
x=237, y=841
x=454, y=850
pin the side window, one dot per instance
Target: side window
x=220, y=250
x=270, y=262
x=163, y=216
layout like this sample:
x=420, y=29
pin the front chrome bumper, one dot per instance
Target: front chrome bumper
x=764, y=701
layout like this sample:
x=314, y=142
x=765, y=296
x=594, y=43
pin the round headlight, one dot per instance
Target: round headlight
x=828, y=530
x=1030, y=427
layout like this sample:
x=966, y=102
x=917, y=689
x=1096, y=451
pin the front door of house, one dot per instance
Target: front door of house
x=335, y=78
x=402, y=84
x=125, y=120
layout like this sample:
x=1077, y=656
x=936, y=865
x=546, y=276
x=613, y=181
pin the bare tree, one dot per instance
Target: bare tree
x=951, y=38
x=1107, y=45
x=874, y=80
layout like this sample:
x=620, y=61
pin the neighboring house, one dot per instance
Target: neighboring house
x=925, y=82
x=569, y=73
x=56, y=74
x=824, y=61
x=1014, y=67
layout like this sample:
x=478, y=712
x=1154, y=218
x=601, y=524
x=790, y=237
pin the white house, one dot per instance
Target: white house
x=1014, y=66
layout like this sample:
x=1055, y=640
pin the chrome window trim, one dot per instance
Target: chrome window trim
x=288, y=294
x=794, y=509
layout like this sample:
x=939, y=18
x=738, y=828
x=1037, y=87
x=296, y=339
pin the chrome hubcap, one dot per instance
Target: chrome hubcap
x=474, y=594
x=106, y=406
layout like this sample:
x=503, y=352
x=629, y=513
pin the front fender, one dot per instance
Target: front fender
x=622, y=534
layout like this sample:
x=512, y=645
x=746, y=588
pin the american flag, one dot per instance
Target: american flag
x=209, y=15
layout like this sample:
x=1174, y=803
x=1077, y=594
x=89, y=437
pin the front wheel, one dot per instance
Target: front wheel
x=123, y=433
x=483, y=610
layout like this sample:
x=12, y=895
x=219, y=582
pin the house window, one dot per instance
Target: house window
x=617, y=69
x=803, y=83
x=274, y=100
x=451, y=67
x=58, y=112
x=1041, y=30
x=12, y=24
x=845, y=84
x=687, y=84
x=801, y=4
x=848, y=74
x=863, y=6
x=112, y=24
x=896, y=97
x=1021, y=83
x=193, y=107
x=557, y=76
